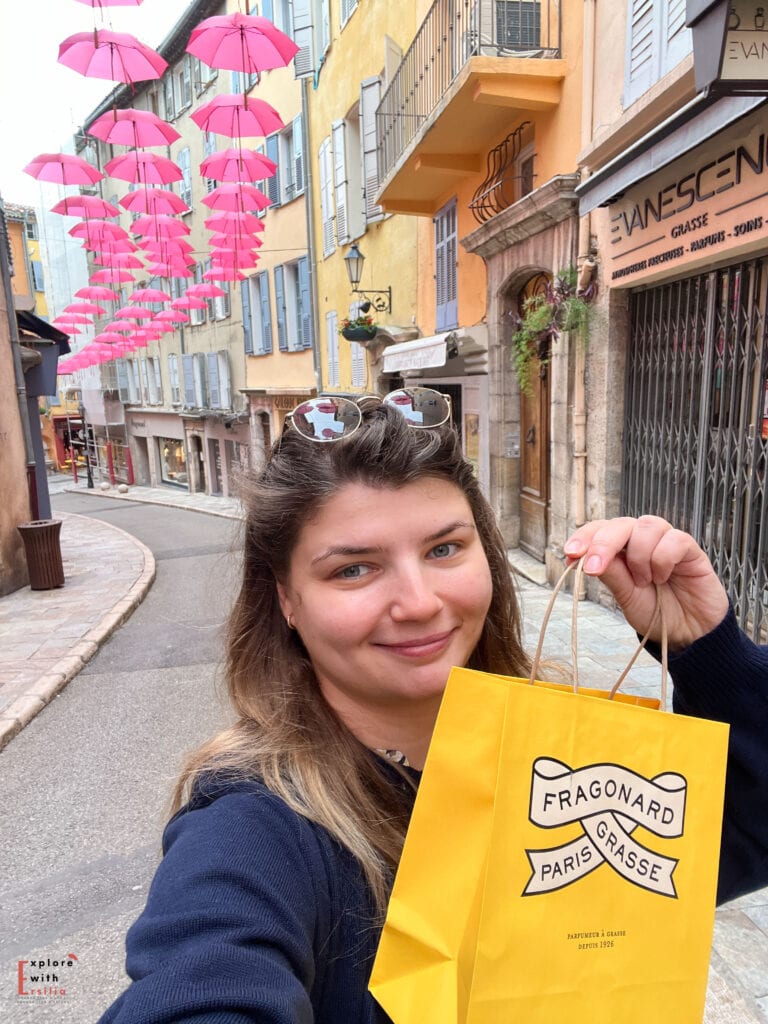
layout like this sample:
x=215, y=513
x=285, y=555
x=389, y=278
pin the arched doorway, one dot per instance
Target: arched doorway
x=534, y=441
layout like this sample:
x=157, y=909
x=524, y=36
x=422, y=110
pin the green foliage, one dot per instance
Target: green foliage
x=559, y=307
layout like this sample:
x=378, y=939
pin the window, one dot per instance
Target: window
x=293, y=304
x=182, y=85
x=219, y=384
x=242, y=81
x=445, y=267
x=221, y=304
x=359, y=369
x=273, y=183
x=122, y=381
x=290, y=157
x=209, y=148
x=326, y=196
x=524, y=172
x=347, y=181
x=340, y=190
x=173, y=378
x=370, y=94
x=202, y=75
x=185, y=185
x=657, y=40
x=170, y=110
x=37, y=275
x=151, y=371
x=347, y=8
x=199, y=380
x=187, y=369
x=31, y=230
x=197, y=316
x=257, y=315
x=311, y=33
x=332, y=347
x=144, y=373
x=134, y=389
x=518, y=24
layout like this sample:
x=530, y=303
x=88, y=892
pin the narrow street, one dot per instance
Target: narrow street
x=86, y=784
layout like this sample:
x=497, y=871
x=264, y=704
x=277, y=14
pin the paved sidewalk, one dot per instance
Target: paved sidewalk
x=47, y=636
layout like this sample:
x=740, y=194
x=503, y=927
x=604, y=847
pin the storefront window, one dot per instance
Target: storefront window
x=173, y=463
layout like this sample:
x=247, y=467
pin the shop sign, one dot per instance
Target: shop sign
x=730, y=45
x=711, y=202
x=287, y=403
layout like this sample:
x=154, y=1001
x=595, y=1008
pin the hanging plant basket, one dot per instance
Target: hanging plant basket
x=358, y=333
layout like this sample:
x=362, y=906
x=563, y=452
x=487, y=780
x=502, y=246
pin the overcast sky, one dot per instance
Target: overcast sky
x=42, y=102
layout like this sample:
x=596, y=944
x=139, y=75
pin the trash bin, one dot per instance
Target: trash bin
x=43, y=551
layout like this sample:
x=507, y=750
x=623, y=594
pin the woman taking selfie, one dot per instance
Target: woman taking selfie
x=372, y=565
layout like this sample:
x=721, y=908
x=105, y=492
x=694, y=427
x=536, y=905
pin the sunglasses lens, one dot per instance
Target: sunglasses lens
x=421, y=407
x=325, y=419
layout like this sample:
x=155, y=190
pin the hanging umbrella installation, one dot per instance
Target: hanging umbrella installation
x=115, y=56
x=161, y=225
x=153, y=200
x=241, y=42
x=133, y=128
x=111, y=275
x=144, y=168
x=96, y=291
x=85, y=206
x=236, y=198
x=238, y=117
x=237, y=165
x=85, y=307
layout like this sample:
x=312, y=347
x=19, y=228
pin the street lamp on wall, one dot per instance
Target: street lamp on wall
x=354, y=261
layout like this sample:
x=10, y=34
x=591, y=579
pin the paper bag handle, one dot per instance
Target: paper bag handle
x=658, y=613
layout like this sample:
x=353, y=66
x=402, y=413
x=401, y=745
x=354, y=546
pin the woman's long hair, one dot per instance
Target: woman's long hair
x=286, y=735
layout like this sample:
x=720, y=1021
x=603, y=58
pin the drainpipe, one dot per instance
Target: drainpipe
x=584, y=254
x=21, y=389
x=309, y=211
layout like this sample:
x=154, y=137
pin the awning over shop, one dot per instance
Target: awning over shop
x=434, y=350
x=698, y=121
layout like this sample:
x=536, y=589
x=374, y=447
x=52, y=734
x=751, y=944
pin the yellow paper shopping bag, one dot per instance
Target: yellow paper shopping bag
x=561, y=862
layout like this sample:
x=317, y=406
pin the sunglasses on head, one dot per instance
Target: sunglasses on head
x=329, y=418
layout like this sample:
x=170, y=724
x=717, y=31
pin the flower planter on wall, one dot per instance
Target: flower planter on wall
x=358, y=333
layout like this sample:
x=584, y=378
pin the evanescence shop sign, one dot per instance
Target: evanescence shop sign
x=712, y=201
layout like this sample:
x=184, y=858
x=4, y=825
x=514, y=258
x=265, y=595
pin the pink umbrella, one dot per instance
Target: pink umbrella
x=112, y=275
x=206, y=291
x=224, y=274
x=135, y=312
x=235, y=242
x=236, y=198
x=108, y=336
x=188, y=302
x=153, y=200
x=85, y=307
x=149, y=295
x=147, y=168
x=159, y=225
x=120, y=325
x=234, y=223
x=85, y=206
x=119, y=260
x=103, y=229
x=133, y=128
x=72, y=318
x=237, y=117
x=95, y=291
x=167, y=247
x=67, y=329
x=110, y=3
x=241, y=260
x=166, y=328
x=172, y=316
x=241, y=42
x=63, y=169
x=237, y=165
x=116, y=56
x=172, y=269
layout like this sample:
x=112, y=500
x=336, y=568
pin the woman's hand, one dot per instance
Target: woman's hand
x=631, y=555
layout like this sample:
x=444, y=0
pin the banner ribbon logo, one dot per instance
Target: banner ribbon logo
x=609, y=802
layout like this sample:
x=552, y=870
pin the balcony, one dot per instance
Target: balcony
x=473, y=66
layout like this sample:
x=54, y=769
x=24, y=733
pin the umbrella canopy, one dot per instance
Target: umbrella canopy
x=111, y=275
x=188, y=302
x=120, y=325
x=149, y=295
x=234, y=223
x=224, y=274
x=109, y=337
x=85, y=307
x=121, y=260
x=161, y=225
x=63, y=169
x=96, y=291
x=236, y=198
x=170, y=268
x=135, y=312
x=85, y=206
x=238, y=117
x=133, y=128
x=172, y=316
x=101, y=229
x=111, y=3
x=68, y=329
x=206, y=291
x=72, y=318
x=152, y=201
x=241, y=42
x=115, y=56
x=228, y=258
x=237, y=165
x=145, y=168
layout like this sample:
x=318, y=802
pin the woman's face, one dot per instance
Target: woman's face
x=388, y=588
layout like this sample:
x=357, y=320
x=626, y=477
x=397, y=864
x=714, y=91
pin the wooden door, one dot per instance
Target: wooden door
x=534, y=449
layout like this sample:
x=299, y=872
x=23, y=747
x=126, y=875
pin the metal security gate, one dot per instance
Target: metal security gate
x=696, y=422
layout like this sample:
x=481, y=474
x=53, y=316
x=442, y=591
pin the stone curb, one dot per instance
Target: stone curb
x=49, y=684
x=147, y=500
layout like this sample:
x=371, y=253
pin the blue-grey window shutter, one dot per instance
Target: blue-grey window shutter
x=189, y=380
x=305, y=303
x=445, y=267
x=273, y=183
x=282, y=326
x=266, y=10
x=266, y=312
x=245, y=289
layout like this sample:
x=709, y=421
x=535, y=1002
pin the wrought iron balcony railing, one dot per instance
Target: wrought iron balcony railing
x=453, y=32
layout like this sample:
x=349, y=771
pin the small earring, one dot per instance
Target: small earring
x=289, y=621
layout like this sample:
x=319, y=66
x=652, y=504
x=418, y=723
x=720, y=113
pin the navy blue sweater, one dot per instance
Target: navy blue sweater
x=257, y=915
